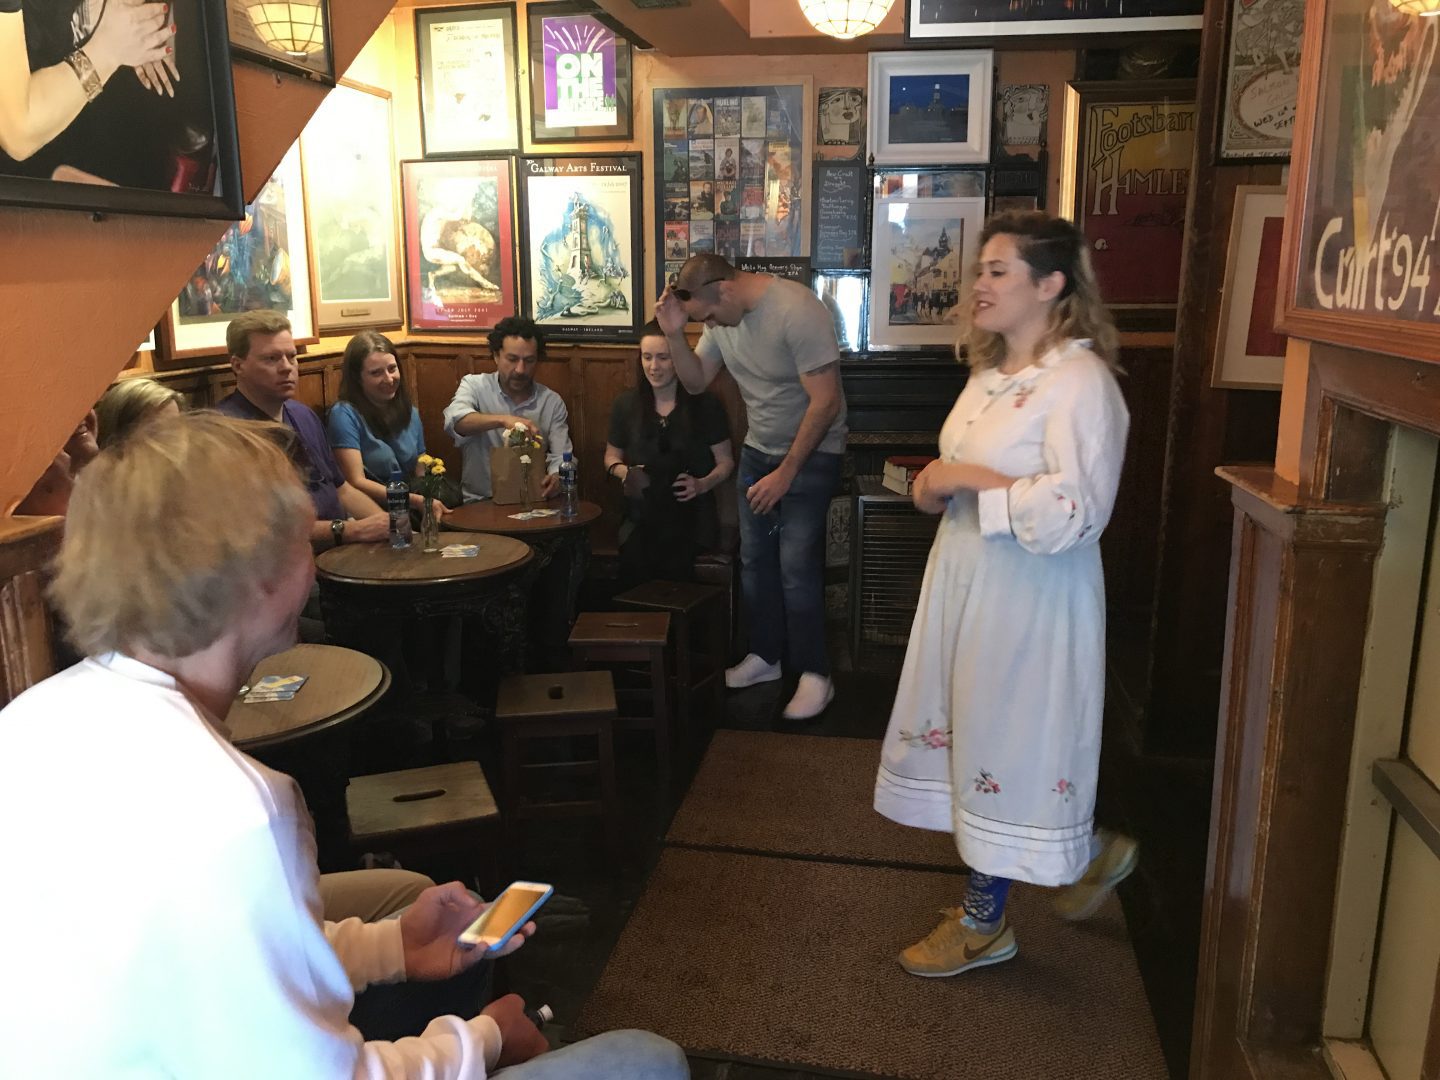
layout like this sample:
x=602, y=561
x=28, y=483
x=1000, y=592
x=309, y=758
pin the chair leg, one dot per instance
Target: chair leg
x=660, y=712
x=609, y=794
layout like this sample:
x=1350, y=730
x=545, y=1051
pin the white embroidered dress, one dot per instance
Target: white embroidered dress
x=995, y=733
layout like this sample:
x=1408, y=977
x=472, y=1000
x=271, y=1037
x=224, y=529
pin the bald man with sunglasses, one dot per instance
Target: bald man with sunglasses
x=778, y=342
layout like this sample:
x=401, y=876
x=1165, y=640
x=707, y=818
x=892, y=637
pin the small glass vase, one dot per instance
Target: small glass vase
x=526, y=502
x=429, y=527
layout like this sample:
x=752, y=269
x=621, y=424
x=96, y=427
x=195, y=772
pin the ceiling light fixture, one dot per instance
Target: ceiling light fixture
x=292, y=27
x=1417, y=7
x=846, y=19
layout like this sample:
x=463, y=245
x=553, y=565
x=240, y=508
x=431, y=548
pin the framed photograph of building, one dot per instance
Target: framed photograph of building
x=260, y=262
x=459, y=243
x=1360, y=241
x=468, y=96
x=925, y=233
x=930, y=108
x=1262, y=79
x=291, y=35
x=731, y=164
x=939, y=20
x=134, y=147
x=580, y=75
x=1126, y=187
x=345, y=152
x=582, y=253
x=1249, y=351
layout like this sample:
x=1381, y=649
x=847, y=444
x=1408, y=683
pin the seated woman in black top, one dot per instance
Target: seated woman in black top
x=669, y=449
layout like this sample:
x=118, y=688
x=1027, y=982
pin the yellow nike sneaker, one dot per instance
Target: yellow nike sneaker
x=1117, y=861
x=958, y=944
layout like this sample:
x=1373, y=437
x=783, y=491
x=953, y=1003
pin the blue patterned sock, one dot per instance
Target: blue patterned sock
x=985, y=899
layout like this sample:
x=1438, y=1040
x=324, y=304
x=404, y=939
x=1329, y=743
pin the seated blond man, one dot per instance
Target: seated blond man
x=203, y=952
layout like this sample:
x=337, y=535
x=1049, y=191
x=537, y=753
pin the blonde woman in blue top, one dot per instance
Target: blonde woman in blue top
x=373, y=427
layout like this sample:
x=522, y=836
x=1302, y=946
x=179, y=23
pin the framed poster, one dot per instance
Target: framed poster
x=467, y=62
x=840, y=123
x=839, y=216
x=580, y=72
x=925, y=235
x=133, y=149
x=1262, y=79
x=1249, y=351
x=284, y=34
x=345, y=151
x=1024, y=114
x=260, y=262
x=459, y=243
x=582, y=254
x=929, y=20
x=1360, y=236
x=730, y=172
x=1126, y=189
x=930, y=108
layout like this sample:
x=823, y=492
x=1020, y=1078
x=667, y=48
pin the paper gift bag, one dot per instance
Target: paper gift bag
x=506, y=473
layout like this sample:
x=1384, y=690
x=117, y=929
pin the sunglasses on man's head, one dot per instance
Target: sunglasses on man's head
x=686, y=295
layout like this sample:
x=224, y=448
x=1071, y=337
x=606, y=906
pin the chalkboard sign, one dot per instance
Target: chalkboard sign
x=795, y=269
x=838, y=242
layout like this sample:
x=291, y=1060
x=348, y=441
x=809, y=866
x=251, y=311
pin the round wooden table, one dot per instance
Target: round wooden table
x=367, y=588
x=562, y=547
x=341, y=684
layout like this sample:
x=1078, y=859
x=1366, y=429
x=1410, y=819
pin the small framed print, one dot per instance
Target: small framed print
x=459, y=243
x=934, y=21
x=924, y=241
x=1249, y=351
x=930, y=108
x=1262, y=79
x=840, y=123
x=468, y=96
x=290, y=36
x=580, y=75
x=260, y=262
x=582, y=249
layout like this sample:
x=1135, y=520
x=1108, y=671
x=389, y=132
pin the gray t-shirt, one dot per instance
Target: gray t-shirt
x=790, y=333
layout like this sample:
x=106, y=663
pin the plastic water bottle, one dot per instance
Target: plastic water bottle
x=569, y=491
x=397, y=501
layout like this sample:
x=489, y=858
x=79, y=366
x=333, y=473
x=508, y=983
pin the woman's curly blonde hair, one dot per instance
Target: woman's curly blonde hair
x=1047, y=244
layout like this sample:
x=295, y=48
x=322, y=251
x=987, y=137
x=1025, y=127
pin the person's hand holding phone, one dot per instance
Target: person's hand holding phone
x=429, y=927
x=520, y=1040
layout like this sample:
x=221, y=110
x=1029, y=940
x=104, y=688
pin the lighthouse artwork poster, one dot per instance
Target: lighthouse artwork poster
x=930, y=108
x=582, y=250
x=580, y=75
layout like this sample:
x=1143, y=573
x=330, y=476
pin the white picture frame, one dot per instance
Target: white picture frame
x=948, y=20
x=1249, y=351
x=282, y=199
x=906, y=275
x=914, y=101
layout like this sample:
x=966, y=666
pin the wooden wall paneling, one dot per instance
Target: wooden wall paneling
x=1430, y=1064
x=312, y=390
x=1202, y=424
x=604, y=375
x=1130, y=542
x=27, y=652
x=1292, y=672
x=437, y=374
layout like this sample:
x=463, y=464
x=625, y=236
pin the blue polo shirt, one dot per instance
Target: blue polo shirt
x=319, y=470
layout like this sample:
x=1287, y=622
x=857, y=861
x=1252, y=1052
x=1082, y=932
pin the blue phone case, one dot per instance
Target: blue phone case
x=521, y=921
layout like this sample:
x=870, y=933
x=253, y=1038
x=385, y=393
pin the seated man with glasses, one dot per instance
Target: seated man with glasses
x=778, y=342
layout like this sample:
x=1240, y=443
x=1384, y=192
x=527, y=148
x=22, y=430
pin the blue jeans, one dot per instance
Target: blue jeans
x=616, y=1055
x=783, y=561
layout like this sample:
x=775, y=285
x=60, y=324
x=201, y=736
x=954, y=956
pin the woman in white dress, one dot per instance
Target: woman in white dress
x=995, y=733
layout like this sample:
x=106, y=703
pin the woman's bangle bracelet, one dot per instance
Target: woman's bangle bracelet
x=90, y=83
x=613, y=466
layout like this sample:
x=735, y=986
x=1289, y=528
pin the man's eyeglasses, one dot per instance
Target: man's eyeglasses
x=686, y=295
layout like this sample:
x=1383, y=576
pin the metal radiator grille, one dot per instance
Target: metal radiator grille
x=893, y=543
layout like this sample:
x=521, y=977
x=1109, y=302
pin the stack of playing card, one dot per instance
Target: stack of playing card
x=275, y=688
x=530, y=515
x=459, y=551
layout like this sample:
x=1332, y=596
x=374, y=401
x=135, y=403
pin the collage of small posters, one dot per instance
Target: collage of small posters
x=730, y=173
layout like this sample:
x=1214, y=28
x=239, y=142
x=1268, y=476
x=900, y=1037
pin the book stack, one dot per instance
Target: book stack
x=900, y=472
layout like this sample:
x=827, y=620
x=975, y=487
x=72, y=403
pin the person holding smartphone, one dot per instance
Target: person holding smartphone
x=210, y=957
x=669, y=450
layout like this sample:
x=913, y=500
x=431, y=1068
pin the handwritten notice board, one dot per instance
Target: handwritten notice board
x=839, y=239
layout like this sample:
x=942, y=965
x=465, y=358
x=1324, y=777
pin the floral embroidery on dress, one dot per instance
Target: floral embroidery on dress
x=1066, y=499
x=1065, y=789
x=932, y=738
x=987, y=784
x=1023, y=395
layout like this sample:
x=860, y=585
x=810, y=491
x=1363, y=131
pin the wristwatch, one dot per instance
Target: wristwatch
x=337, y=531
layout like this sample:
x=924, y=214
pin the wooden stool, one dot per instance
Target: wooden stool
x=534, y=707
x=693, y=608
x=441, y=809
x=632, y=637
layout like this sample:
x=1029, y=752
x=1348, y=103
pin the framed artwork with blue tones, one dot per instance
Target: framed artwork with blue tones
x=930, y=108
x=581, y=248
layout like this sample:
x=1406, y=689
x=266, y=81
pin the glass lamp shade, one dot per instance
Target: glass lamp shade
x=847, y=19
x=1417, y=7
x=293, y=27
